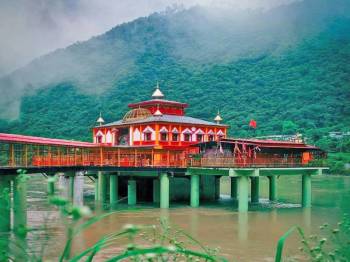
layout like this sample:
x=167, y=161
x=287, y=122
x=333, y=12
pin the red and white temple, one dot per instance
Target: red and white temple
x=158, y=123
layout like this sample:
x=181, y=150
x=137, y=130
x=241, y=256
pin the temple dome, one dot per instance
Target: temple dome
x=137, y=114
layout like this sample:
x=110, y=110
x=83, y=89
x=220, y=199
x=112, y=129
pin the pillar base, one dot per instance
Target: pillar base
x=254, y=189
x=131, y=192
x=164, y=191
x=243, y=184
x=272, y=188
x=194, y=190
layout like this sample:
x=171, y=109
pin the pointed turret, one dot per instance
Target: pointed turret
x=157, y=94
x=158, y=113
x=218, y=118
x=100, y=120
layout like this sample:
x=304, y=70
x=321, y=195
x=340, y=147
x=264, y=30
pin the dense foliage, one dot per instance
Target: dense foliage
x=295, y=83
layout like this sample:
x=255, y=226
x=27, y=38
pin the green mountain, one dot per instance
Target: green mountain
x=288, y=68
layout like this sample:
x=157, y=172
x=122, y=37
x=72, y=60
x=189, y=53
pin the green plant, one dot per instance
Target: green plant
x=161, y=242
x=332, y=244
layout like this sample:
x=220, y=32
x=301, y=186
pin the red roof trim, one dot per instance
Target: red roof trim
x=158, y=102
x=42, y=141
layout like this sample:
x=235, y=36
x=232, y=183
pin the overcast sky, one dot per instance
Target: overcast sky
x=30, y=28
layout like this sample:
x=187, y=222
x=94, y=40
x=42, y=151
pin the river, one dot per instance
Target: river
x=239, y=237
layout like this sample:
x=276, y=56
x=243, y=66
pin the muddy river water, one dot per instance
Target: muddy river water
x=240, y=237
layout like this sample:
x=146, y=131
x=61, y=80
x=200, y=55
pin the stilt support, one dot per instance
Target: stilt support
x=194, y=190
x=78, y=187
x=131, y=192
x=5, y=204
x=96, y=189
x=156, y=193
x=113, y=189
x=164, y=190
x=272, y=188
x=243, y=183
x=102, y=187
x=217, y=187
x=234, y=187
x=20, y=205
x=254, y=189
x=306, y=191
x=71, y=187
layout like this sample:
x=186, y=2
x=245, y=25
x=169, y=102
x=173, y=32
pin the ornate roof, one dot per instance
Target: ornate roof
x=165, y=118
x=136, y=114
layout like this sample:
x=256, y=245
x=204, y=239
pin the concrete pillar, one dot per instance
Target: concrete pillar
x=71, y=187
x=217, y=187
x=102, y=187
x=272, y=188
x=164, y=190
x=306, y=191
x=254, y=189
x=20, y=205
x=5, y=204
x=113, y=189
x=234, y=187
x=243, y=184
x=156, y=189
x=63, y=185
x=131, y=192
x=96, y=188
x=194, y=190
x=78, y=187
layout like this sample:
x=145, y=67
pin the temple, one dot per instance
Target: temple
x=158, y=123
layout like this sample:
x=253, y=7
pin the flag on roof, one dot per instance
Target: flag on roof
x=252, y=123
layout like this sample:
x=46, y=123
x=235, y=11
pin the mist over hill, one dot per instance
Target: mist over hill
x=286, y=67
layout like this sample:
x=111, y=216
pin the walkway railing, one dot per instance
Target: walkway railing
x=266, y=161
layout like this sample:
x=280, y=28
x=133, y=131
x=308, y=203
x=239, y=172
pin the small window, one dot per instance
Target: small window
x=99, y=139
x=211, y=138
x=148, y=136
x=187, y=137
x=175, y=137
x=199, y=137
x=163, y=136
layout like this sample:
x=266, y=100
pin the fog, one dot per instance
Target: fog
x=29, y=29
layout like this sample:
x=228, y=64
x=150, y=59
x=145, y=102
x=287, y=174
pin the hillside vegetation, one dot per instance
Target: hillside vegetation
x=287, y=68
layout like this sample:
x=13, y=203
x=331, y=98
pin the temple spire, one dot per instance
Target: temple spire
x=157, y=94
x=218, y=118
x=100, y=120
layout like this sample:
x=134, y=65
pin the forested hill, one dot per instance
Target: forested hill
x=288, y=68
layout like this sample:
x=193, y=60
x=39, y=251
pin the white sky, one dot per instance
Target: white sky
x=30, y=28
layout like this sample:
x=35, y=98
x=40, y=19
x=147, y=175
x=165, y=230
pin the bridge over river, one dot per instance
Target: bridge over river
x=138, y=174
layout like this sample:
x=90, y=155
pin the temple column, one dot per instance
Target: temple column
x=272, y=188
x=113, y=189
x=78, y=188
x=131, y=192
x=164, y=190
x=234, y=187
x=254, y=189
x=195, y=190
x=102, y=187
x=243, y=186
x=306, y=191
x=156, y=193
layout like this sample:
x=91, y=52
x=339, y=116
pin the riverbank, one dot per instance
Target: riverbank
x=339, y=163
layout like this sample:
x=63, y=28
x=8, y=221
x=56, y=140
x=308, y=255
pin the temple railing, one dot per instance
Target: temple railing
x=260, y=161
x=19, y=155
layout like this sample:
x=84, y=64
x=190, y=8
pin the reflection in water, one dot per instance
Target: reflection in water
x=241, y=237
x=243, y=226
